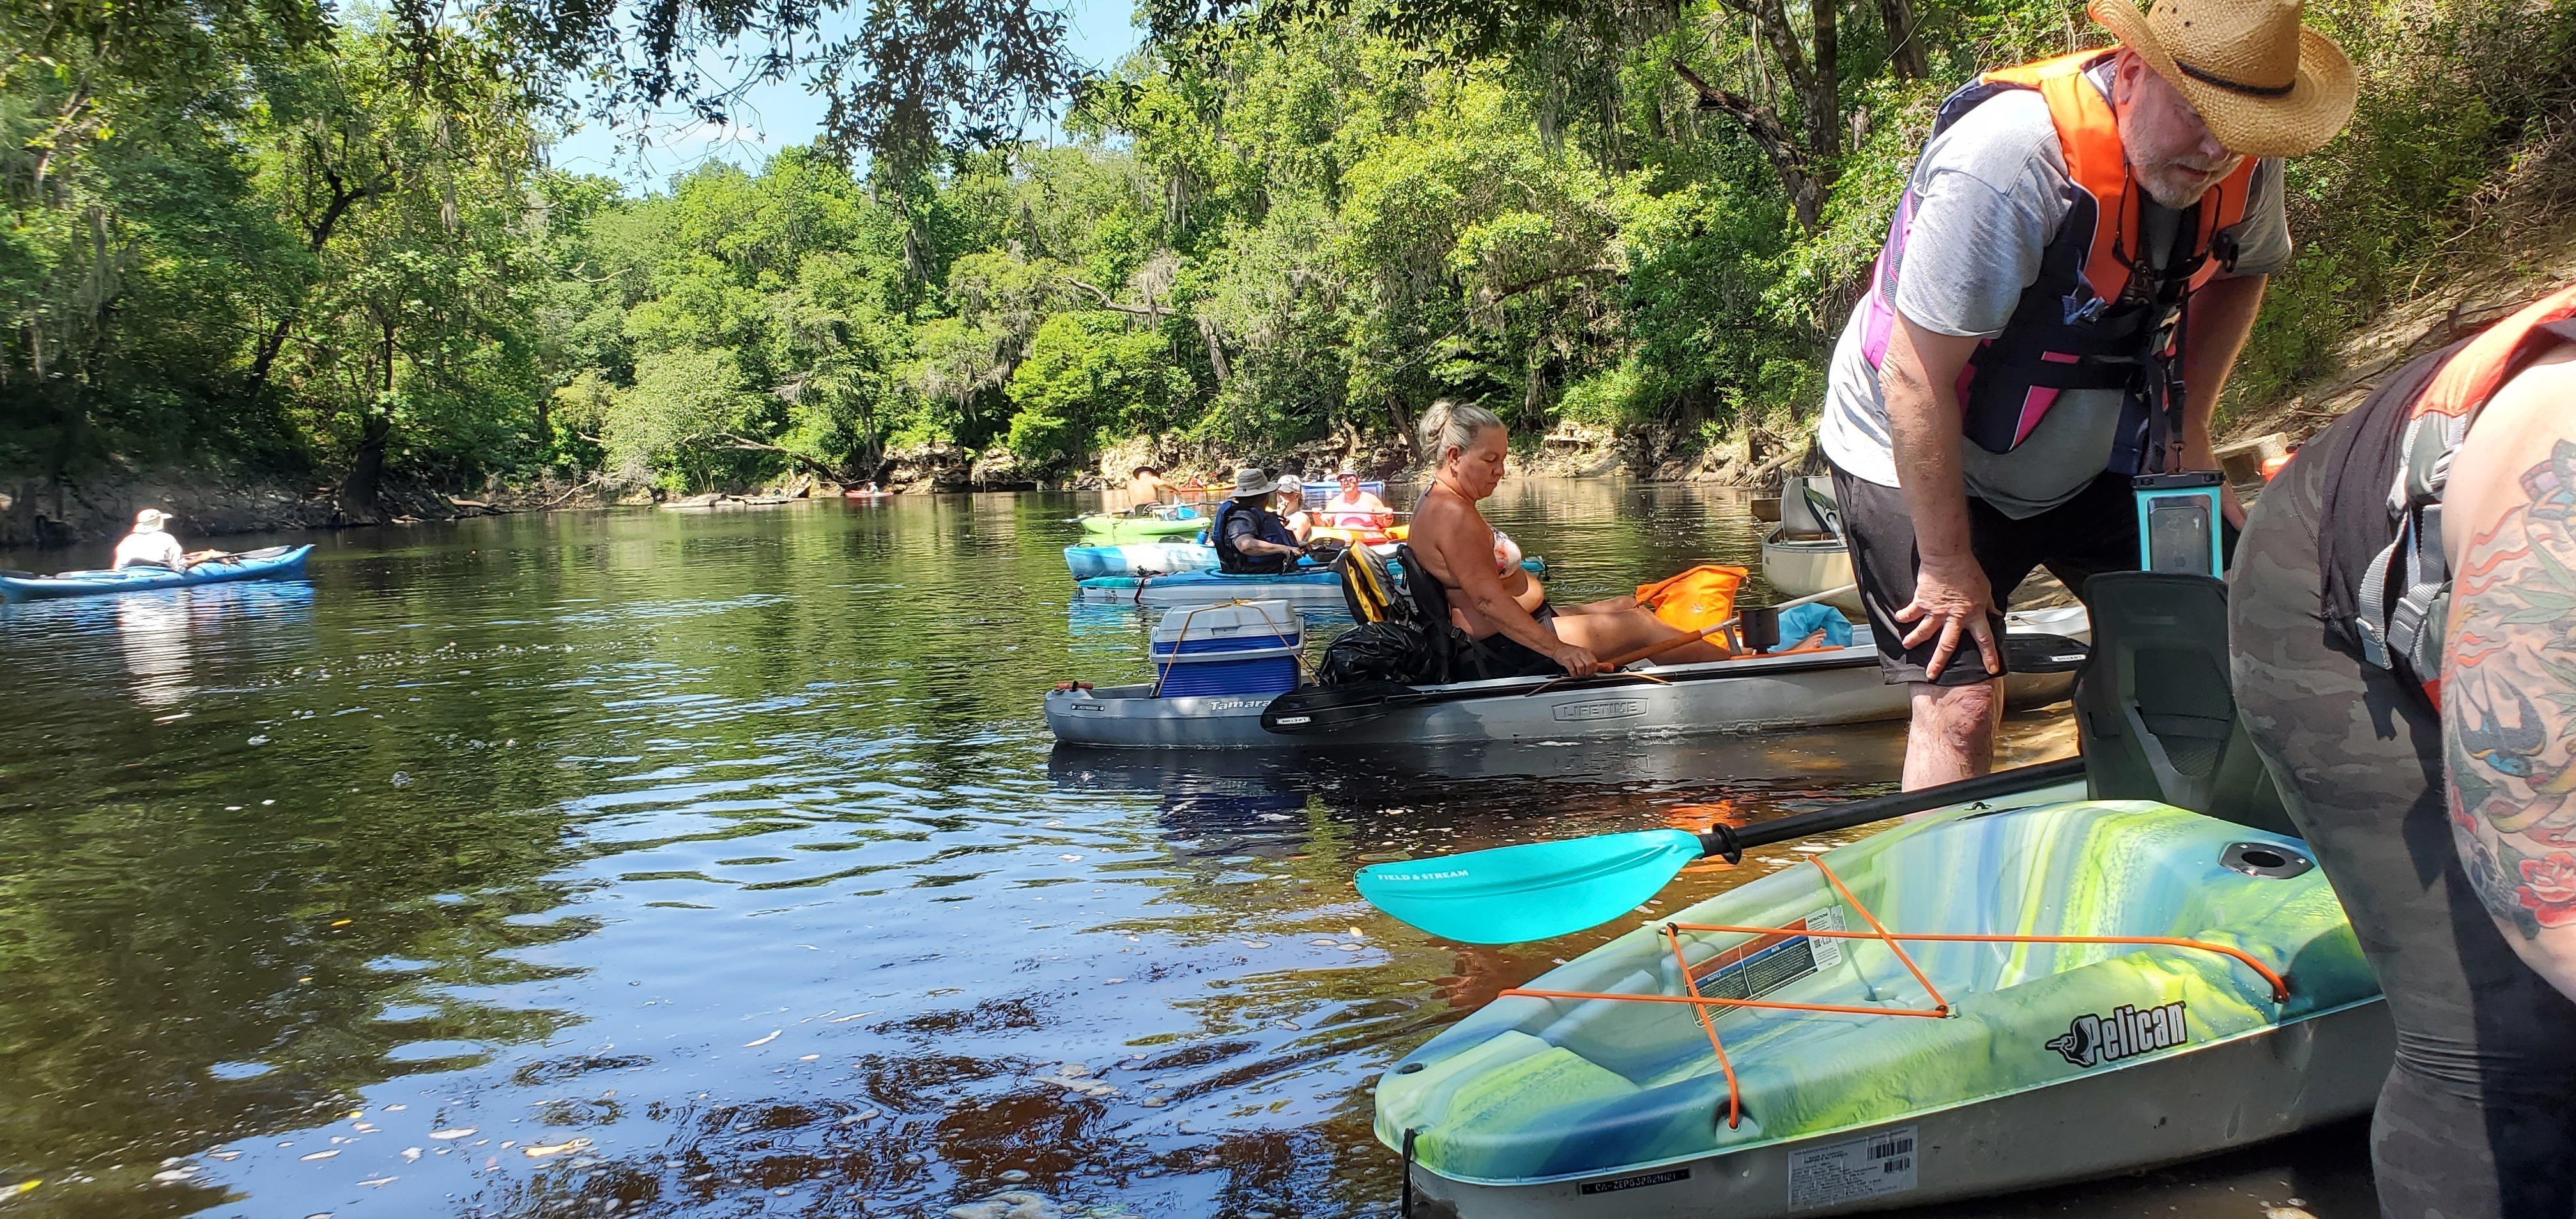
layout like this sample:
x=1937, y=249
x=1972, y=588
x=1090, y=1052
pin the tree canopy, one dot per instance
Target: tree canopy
x=261, y=234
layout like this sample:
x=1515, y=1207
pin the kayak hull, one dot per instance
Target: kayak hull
x=1138, y=558
x=1140, y=528
x=279, y=563
x=1805, y=568
x=2307, y=1073
x=1855, y=1089
x=1214, y=587
x=1755, y=694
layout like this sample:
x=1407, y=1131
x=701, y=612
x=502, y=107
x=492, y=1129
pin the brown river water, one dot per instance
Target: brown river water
x=720, y=864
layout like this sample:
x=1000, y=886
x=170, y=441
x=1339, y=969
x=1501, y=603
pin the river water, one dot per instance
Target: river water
x=721, y=864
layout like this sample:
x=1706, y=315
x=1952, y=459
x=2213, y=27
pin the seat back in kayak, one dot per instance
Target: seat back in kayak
x=2155, y=707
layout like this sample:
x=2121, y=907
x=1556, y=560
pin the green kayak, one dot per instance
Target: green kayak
x=2043, y=987
x=1141, y=528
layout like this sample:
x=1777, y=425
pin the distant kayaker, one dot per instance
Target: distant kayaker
x=1353, y=508
x=1249, y=537
x=1503, y=624
x=1145, y=485
x=150, y=545
x=2402, y=594
x=2030, y=299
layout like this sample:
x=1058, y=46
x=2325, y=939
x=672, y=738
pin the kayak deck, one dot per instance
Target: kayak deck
x=1936, y=979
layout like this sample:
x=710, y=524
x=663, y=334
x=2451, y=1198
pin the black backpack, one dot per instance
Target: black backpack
x=1392, y=643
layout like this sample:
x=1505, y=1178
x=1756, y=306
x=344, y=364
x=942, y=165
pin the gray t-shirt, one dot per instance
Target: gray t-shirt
x=1991, y=194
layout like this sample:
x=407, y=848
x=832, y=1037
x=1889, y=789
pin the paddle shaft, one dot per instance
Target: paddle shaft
x=1648, y=652
x=1729, y=843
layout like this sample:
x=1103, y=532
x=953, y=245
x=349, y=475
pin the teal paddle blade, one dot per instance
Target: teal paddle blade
x=1529, y=892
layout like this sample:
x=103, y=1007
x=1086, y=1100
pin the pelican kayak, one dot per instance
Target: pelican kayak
x=272, y=563
x=1951, y=1069
x=2064, y=976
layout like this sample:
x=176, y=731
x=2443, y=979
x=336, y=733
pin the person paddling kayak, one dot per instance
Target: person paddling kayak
x=1353, y=508
x=1145, y=485
x=1249, y=537
x=150, y=545
x=1990, y=399
x=2403, y=593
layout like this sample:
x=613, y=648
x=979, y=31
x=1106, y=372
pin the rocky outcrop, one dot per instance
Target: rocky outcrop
x=919, y=469
x=999, y=470
x=44, y=512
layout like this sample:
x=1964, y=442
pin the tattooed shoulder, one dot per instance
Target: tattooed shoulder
x=2509, y=702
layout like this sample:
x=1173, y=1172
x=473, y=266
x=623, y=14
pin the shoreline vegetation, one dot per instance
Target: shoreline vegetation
x=301, y=267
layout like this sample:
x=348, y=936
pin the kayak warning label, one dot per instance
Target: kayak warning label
x=1766, y=963
x=1854, y=1169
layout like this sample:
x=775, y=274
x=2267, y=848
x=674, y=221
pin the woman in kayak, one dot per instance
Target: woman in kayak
x=1504, y=624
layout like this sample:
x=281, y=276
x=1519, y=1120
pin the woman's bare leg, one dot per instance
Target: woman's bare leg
x=1618, y=633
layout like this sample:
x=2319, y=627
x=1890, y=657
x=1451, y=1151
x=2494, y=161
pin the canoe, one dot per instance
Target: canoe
x=271, y=563
x=1138, y=559
x=1140, y=528
x=1758, y=693
x=1805, y=567
x=1309, y=586
x=2037, y=1063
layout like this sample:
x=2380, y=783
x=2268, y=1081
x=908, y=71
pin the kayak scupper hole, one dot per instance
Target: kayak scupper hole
x=2264, y=861
x=1408, y=1068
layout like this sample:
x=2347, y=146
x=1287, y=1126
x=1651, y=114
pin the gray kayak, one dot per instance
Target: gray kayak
x=1754, y=694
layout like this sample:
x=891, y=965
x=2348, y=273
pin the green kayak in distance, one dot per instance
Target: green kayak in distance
x=1141, y=528
x=2054, y=1062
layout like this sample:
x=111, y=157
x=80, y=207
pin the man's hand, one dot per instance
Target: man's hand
x=1577, y=661
x=1951, y=598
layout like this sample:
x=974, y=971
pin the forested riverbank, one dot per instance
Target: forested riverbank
x=324, y=252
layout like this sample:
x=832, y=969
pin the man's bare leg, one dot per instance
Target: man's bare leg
x=1952, y=736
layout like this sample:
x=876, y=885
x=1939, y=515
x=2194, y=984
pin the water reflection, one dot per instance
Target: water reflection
x=734, y=846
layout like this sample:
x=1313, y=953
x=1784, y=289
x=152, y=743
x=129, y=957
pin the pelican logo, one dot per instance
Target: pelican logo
x=2126, y=1032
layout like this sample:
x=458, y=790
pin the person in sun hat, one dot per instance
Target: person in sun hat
x=151, y=544
x=1249, y=537
x=2082, y=238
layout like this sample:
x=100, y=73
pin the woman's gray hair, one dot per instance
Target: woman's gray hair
x=1449, y=425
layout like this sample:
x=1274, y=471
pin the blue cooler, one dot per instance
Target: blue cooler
x=1247, y=647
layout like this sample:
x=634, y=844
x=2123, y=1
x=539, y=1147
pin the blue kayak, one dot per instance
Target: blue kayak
x=273, y=563
x=1209, y=587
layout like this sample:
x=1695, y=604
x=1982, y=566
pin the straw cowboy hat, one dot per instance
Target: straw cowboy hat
x=2266, y=85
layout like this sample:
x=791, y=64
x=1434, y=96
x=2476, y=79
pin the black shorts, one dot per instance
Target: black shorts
x=2094, y=532
x=1499, y=655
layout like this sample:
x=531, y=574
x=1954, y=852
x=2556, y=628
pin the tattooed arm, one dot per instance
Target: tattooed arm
x=2509, y=668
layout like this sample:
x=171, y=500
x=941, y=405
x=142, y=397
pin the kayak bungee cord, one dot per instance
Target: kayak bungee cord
x=1940, y=1009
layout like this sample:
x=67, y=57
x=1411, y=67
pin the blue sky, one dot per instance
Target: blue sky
x=776, y=116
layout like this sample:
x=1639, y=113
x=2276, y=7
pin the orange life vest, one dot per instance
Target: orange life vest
x=2401, y=600
x=2099, y=316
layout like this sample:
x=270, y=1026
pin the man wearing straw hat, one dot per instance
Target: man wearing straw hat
x=2082, y=238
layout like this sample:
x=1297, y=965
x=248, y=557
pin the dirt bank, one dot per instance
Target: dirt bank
x=41, y=512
